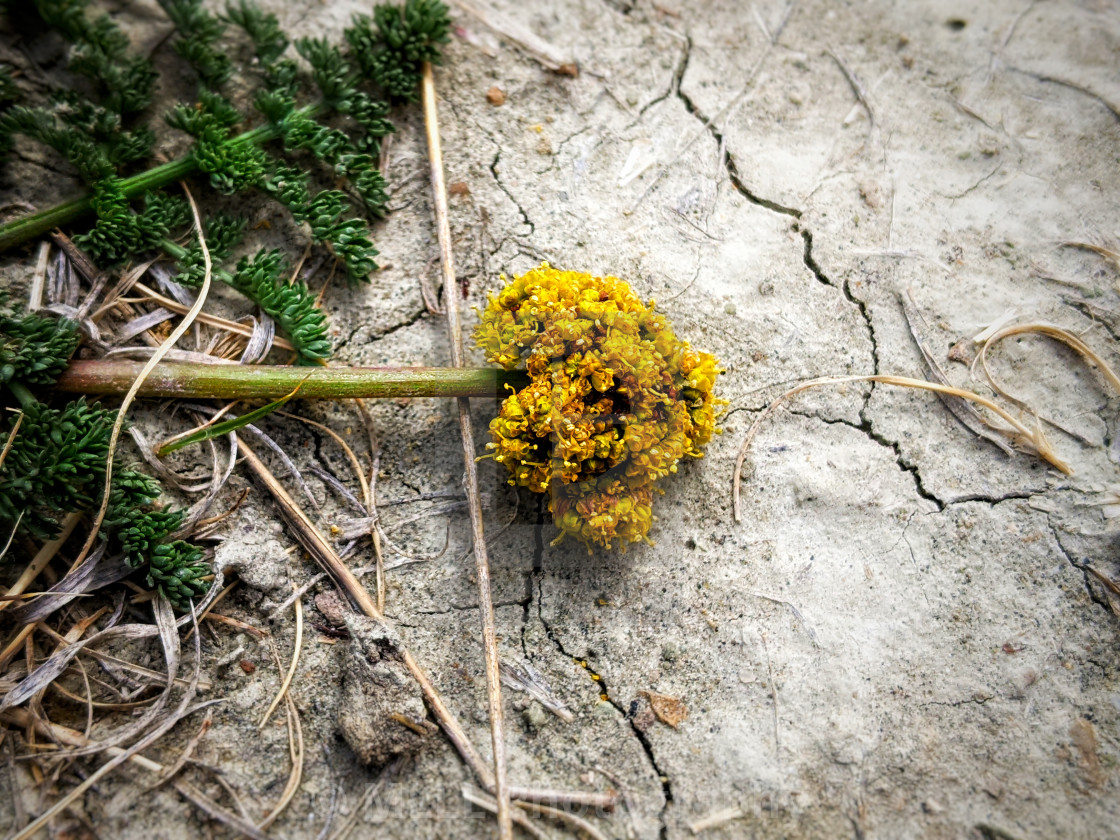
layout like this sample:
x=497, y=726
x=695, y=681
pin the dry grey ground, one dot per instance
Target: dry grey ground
x=899, y=639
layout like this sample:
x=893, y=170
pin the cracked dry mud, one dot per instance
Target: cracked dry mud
x=900, y=638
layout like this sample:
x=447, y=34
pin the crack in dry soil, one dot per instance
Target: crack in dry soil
x=604, y=694
x=1086, y=575
x=501, y=185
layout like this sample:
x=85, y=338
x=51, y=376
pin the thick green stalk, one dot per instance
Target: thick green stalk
x=25, y=397
x=238, y=382
x=28, y=227
x=177, y=251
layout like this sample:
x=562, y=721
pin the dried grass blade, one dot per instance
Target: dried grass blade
x=297, y=647
x=70, y=737
x=295, y=750
x=1109, y=253
x=574, y=820
x=368, y=489
x=163, y=611
x=324, y=554
x=49, y=670
x=1058, y=334
x=521, y=676
x=184, y=755
x=171, y=341
x=142, y=324
x=93, y=573
x=209, y=320
x=451, y=295
x=42, y=557
x=38, y=279
x=966, y=415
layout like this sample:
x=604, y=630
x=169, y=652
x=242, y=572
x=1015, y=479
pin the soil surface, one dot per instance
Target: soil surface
x=901, y=637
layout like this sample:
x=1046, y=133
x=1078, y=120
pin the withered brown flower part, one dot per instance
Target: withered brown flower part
x=615, y=400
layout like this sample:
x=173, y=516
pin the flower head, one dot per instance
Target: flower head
x=615, y=400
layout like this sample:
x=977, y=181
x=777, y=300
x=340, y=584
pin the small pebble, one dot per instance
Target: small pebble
x=496, y=96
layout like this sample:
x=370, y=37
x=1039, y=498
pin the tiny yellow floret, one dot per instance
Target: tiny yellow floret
x=615, y=399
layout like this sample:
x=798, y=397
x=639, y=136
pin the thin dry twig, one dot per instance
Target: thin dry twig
x=42, y=557
x=324, y=554
x=297, y=646
x=368, y=493
x=574, y=820
x=719, y=818
x=1109, y=252
x=295, y=751
x=208, y=319
x=483, y=800
x=371, y=792
x=185, y=708
x=11, y=436
x=186, y=753
x=855, y=84
x=70, y=737
x=452, y=303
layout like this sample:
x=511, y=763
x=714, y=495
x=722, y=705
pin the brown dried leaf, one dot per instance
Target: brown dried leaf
x=670, y=710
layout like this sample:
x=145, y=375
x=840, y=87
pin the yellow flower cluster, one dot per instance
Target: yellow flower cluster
x=615, y=400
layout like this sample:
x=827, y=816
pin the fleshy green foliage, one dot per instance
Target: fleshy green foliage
x=140, y=531
x=292, y=306
x=302, y=132
x=231, y=166
x=347, y=238
x=263, y=29
x=56, y=461
x=55, y=466
x=34, y=349
x=329, y=70
x=88, y=136
x=91, y=140
x=223, y=234
x=391, y=47
x=199, y=32
x=331, y=146
x=371, y=114
x=121, y=232
x=8, y=90
x=101, y=53
x=261, y=280
x=177, y=569
x=281, y=75
x=133, y=528
x=367, y=182
x=288, y=185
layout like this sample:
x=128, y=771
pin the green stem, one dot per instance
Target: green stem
x=20, y=230
x=25, y=397
x=241, y=382
x=178, y=252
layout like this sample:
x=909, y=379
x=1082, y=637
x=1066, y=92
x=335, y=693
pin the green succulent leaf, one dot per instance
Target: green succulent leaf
x=34, y=348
